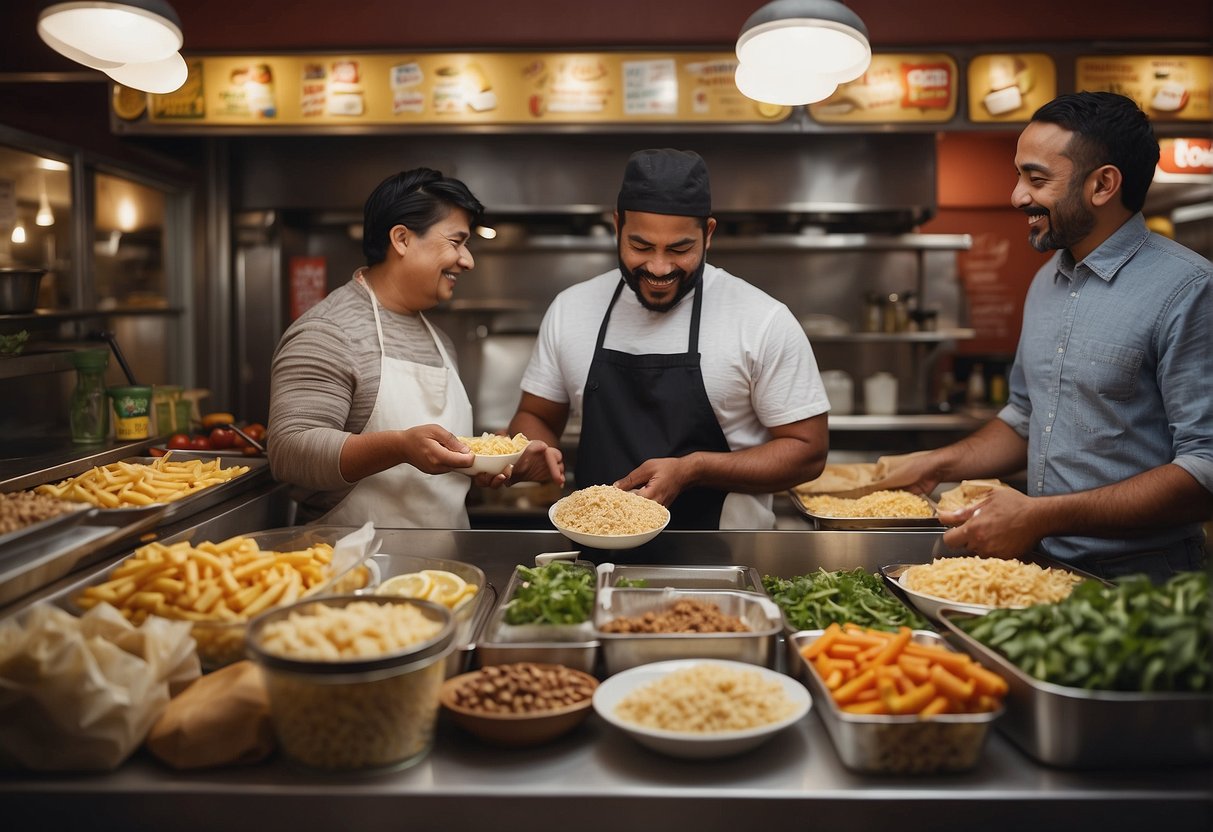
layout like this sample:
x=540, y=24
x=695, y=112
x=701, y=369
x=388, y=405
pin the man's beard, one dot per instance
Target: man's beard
x=1069, y=222
x=685, y=284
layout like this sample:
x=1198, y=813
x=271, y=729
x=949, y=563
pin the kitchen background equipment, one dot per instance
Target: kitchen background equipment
x=19, y=290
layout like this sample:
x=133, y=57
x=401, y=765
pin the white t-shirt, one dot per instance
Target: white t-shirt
x=758, y=368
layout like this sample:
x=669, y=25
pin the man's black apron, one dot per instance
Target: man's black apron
x=640, y=407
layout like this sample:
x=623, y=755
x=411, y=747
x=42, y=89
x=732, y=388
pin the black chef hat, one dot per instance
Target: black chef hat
x=666, y=181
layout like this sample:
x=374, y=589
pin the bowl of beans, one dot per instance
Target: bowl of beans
x=519, y=704
x=353, y=680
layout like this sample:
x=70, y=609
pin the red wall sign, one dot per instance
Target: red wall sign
x=1185, y=160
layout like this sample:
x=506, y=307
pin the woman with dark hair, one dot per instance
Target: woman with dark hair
x=366, y=404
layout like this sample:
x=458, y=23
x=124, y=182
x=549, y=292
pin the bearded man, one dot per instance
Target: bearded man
x=1111, y=403
x=694, y=388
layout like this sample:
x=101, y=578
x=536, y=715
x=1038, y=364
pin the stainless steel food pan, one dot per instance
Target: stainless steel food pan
x=725, y=576
x=621, y=651
x=1098, y=729
x=823, y=522
x=882, y=744
x=573, y=646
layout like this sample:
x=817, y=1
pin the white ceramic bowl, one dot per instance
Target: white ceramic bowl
x=689, y=745
x=607, y=541
x=928, y=605
x=490, y=464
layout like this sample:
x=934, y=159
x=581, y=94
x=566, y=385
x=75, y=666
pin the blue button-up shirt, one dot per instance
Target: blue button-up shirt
x=1114, y=376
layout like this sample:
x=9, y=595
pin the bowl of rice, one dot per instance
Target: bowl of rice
x=605, y=517
x=700, y=709
x=493, y=453
x=977, y=585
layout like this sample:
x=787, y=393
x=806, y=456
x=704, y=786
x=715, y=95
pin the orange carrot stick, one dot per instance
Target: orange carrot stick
x=938, y=705
x=951, y=685
x=914, y=701
x=811, y=651
x=851, y=689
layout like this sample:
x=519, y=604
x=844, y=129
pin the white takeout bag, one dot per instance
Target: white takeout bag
x=81, y=693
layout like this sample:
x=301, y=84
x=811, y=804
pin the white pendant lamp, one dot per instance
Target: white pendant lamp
x=135, y=42
x=793, y=52
x=45, y=216
x=163, y=76
x=113, y=31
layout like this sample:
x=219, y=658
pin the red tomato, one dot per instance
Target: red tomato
x=249, y=450
x=255, y=431
x=178, y=441
x=200, y=443
x=222, y=438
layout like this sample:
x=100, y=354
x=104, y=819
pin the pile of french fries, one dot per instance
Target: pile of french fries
x=134, y=484
x=229, y=581
x=876, y=672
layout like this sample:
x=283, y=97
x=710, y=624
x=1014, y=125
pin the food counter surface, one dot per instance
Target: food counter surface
x=597, y=778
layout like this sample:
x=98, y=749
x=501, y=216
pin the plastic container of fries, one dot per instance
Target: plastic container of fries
x=888, y=743
x=373, y=705
x=223, y=584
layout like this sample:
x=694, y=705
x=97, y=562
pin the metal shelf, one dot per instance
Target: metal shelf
x=931, y=337
x=36, y=363
x=761, y=242
x=921, y=421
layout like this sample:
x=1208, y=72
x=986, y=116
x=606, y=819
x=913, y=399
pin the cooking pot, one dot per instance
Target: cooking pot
x=19, y=290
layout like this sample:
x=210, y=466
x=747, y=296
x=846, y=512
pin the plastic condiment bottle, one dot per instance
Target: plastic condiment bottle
x=89, y=415
x=976, y=391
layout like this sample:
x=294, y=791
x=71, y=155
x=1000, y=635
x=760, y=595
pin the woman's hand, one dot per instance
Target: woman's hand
x=434, y=449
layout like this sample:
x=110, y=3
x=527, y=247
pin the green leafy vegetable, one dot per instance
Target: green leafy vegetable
x=13, y=344
x=1133, y=636
x=816, y=600
x=555, y=593
x=637, y=583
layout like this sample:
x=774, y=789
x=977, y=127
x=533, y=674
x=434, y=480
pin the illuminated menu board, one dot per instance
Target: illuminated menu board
x=474, y=88
x=897, y=88
x=1167, y=87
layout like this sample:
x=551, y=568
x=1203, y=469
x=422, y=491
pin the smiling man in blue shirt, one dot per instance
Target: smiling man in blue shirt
x=1111, y=392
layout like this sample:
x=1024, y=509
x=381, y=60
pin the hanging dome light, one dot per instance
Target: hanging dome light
x=163, y=76
x=111, y=32
x=793, y=52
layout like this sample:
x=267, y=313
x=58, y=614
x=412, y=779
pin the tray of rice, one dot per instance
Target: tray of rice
x=977, y=585
x=877, y=510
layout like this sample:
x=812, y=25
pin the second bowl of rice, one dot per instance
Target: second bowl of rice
x=605, y=517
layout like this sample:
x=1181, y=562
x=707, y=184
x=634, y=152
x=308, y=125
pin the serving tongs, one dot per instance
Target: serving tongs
x=259, y=446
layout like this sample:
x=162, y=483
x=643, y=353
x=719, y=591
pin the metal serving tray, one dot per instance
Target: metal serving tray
x=621, y=651
x=822, y=522
x=681, y=577
x=572, y=646
x=469, y=618
x=882, y=744
x=199, y=500
x=1097, y=729
x=42, y=528
x=930, y=605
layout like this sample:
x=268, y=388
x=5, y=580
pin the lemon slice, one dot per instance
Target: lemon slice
x=447, y=586
x=409, y=585
x=469, y=592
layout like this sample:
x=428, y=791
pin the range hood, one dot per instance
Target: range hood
x=778, y=182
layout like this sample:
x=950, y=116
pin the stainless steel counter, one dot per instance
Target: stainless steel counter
x=597, y=779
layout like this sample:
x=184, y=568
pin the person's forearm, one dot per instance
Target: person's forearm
x=1163, y=496
x=364, y=454
x=993, y=450
x=532, y=427
x=776, y=465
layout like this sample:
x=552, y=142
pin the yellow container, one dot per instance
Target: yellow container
x=132, y=411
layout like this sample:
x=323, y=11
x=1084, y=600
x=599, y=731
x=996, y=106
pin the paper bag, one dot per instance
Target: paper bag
x=82, y=693
x=221, y=719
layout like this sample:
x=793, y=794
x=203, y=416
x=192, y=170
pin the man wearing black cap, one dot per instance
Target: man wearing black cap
x=706, y=406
